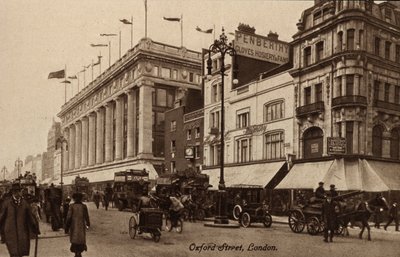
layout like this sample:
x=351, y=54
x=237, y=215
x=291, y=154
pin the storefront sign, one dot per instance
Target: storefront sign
x=261, y=48
x=255, y=129
x=336, y=145
x=314, y=148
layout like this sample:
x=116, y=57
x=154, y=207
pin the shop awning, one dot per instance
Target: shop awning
x=357, y=174
x=108, y=174
x=255, y=175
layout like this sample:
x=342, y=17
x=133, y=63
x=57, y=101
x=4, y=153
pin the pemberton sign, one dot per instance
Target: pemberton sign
x=261, y=48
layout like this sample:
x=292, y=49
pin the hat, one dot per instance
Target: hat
x=15, y=186
x=332, y=186
x=77, y=196
x=321, y=183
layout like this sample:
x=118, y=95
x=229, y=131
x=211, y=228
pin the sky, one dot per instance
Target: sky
x=43, y=36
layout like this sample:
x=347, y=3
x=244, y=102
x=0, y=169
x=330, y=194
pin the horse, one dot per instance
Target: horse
x=362, y=213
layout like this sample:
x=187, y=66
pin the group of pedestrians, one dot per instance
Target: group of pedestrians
x=19, y=222
x=105, y=198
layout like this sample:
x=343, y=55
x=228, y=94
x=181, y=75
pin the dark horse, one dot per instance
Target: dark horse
x=362, y=213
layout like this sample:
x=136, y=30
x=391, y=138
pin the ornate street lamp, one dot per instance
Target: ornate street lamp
x=18, y=165
x=60, y=142
x=222, y=47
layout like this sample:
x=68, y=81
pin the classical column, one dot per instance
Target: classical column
x=131, y=134
x=343, y=84
x=99, y=135
x=362, y=139
x=84, y=152
x=78, y=144
x=145, y=121
x=356, y=84
x=65, y=152
x=118, y=128
x=71, y=147
x=386, y=144
x=92, y=139
x=108, y=134
x=356, y=143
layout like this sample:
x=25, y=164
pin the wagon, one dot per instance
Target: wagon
x=147, y=220
x=310, y=216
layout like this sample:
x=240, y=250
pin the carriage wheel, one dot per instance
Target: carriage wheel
x=267, y=220
x=313, y=225
x=296, y=221
x=245, y=220
x=321, y=226
x=134, y=208
x=132, y=227
x=340, y=229
x=201, y=214
x=236, y=212
x=168, y=224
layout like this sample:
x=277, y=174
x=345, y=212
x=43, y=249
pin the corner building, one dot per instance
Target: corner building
x=347, y=86
x=117, y=121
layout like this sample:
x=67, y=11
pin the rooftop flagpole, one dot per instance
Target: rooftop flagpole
x=145, y=18
x=65, y=84
x=181, y=30
x=131, y=31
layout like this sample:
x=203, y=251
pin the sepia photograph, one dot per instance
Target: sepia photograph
x=207, y=128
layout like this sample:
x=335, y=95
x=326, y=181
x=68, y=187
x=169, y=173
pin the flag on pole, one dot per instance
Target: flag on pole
x=57, y=74
x=66, y=81
x=207, y=31
x=73, y=77
x=98, y=45
x=172, y=19
x=107, y=35
x=125, y=21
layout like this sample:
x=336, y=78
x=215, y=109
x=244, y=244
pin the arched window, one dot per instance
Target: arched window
x=313, y=143
x=274, y=110
x=377, y=132
x=394, y=143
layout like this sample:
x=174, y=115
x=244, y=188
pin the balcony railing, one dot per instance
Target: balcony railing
x=386, y=105
x=349, y=100
x=317, y=107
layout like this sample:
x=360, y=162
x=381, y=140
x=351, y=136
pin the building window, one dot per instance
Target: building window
x=173, y=167
x=388, y=15
x=165, y=72
x=377, y=45
x=339, y=86
x=243, y=119
x=394, y=143
x=274, y=111
x=197, y=152
x=274, y=148
x=349, y=84
x=173, y=146
x=163, y=97
x=349, y=136
x=158, y=121
x=376, y=90
x=243, y=150
x=350, y=39
x=173, y=125
x=215, y=120
x=307, y=95
x=387, y=49
x=318, y=92
x=188, y=134
x=313, y=143
x=340, y=41
x=387, y=92
x=377, y=141
x=397, y=95
x=307, y=56
x=360, y=39
x=215, y=151
x=398, y=53
x=216, y=93
x=191, y=77
x=197, y=132
x=320, y=51
x=175, y=74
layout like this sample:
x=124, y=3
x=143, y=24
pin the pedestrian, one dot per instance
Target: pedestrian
x=96, y=199
x=320, y=191
x=332, y=191
x=66, y=208
x=18, y=222
x=76, y=224
x=377, y=214
x=329, y=218
x=108, y=194
x=174, y=210
x=393, y=216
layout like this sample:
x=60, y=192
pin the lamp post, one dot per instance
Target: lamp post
x=4, y=171
x=223, y=48
x=18, y=165
x=61, y=141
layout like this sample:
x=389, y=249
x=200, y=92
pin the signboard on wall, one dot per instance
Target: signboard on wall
x=261, y=48
x=336, y=145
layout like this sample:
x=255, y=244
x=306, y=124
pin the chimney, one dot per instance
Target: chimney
x=272, y=35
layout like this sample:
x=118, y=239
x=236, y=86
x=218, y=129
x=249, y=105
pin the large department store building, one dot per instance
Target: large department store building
x=347, y=97
x=117, y=121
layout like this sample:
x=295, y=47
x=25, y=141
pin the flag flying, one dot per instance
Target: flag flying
x=66, y=81
x=125, y=21
x=107, y=35
x=208, y=31
x=98, y=45
x=172, y=19
x=57, y=74
x=73, y=77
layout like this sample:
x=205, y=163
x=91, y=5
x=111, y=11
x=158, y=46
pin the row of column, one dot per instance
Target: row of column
x=90, y=139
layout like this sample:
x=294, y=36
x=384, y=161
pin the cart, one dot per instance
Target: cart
x=310, y=216
x=147, y=220
x=252, y=213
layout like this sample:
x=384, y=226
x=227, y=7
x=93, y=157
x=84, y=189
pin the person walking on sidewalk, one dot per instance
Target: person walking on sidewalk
x=96, y=199
x=329, y=217
x=76, y=224
x=393, y=216
x=17, y=220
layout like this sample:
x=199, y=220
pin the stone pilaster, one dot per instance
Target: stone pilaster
x=100, y=135
x=92, y=140
x=84, y=152
x=145, y=121
x=78, y=144
x=71, y=147
x=108, y=134
x=131, y=134
x=118, y=127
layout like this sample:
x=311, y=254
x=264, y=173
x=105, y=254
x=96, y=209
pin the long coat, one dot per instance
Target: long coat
x=18, y=222
x=329, y=214
x=77, y=220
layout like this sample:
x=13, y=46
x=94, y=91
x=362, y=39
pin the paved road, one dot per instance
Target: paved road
x=109, y=237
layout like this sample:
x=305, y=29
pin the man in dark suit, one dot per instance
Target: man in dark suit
x=320, y=191
x=329, y=217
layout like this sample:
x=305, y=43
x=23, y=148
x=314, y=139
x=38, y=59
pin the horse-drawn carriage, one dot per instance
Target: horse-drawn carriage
x=147, y=220
x=309, y=215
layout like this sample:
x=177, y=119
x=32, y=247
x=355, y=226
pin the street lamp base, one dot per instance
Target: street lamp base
x=221, y=219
